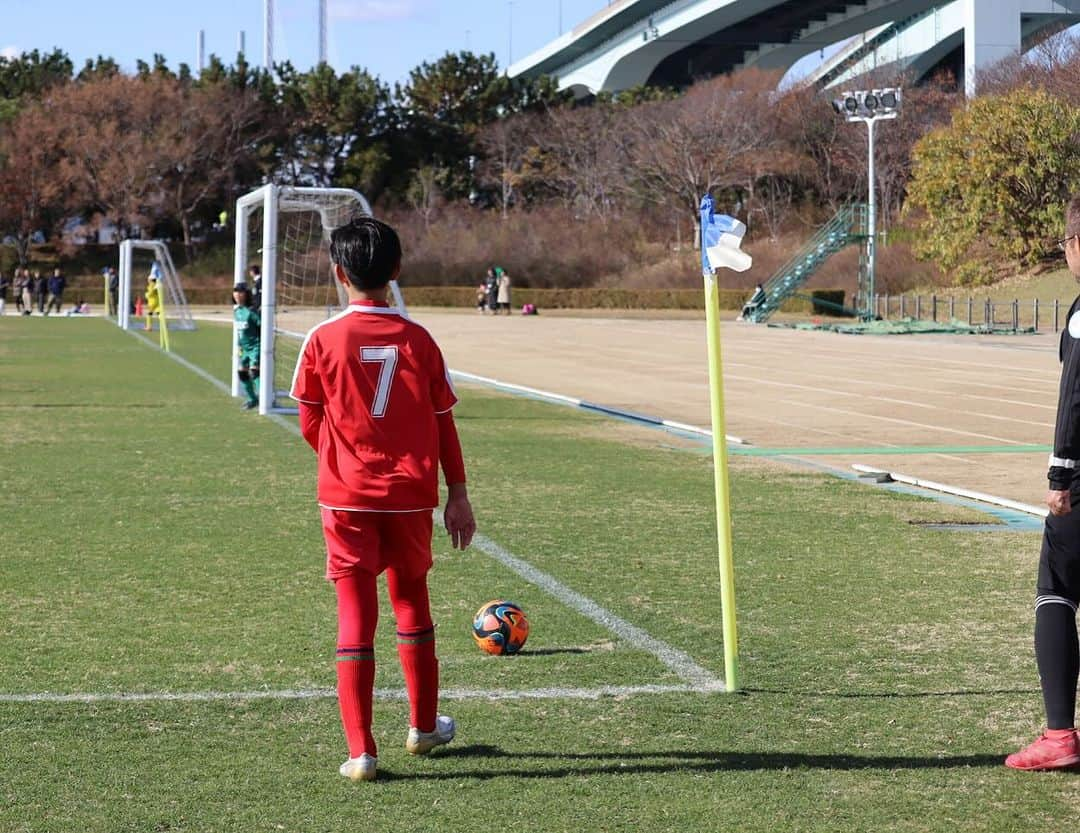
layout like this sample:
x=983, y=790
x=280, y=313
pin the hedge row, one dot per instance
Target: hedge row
x=586, y=298
x=594, y=298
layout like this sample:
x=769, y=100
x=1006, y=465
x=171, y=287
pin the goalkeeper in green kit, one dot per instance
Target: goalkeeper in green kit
x=248, y=343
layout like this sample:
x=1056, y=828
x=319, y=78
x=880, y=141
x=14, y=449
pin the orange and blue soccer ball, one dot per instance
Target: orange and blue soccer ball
x=500, y=627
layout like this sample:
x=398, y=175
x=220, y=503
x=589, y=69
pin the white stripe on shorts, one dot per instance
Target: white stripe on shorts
x=1054, y=600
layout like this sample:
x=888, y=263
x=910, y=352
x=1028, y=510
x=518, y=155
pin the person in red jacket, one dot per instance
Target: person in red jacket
x=376, y=405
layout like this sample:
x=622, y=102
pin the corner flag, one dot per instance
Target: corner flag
x=721, y=237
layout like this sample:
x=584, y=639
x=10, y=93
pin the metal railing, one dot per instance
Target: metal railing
x=1021, y=315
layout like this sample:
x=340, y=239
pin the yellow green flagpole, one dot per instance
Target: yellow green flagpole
x=723, y=491
x=163, y=327
x=735, y=259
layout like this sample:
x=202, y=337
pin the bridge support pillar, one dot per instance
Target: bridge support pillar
x=991, y=32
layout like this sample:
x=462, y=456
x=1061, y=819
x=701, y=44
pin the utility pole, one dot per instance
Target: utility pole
x=322, y=31
x=510, y=37
x=268, y=35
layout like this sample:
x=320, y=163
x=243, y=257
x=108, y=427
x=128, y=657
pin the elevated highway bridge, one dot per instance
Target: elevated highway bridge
x=674, y=42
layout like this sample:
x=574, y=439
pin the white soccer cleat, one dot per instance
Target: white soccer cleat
x=420, y=743
x=360, y=769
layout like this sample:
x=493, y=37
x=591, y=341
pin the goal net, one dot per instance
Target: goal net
x=286, y=233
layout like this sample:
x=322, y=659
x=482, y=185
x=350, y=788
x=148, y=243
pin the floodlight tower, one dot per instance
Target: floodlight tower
x=200, y=51
x=268, y=34
x=870, y=106
x=322, y=31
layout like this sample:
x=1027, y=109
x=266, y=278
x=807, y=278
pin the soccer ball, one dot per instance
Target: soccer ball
x=500, y=627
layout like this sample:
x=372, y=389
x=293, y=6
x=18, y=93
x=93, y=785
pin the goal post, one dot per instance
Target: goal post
x=144, y=257
x=286, y=232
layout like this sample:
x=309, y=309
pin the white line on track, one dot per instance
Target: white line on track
x=756, y=380
x=552, y=693
x=868, y=355
x=896, y=420
x=877, y=384
x=677, y=661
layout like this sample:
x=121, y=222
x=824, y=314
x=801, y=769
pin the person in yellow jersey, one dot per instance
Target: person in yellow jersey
x=152, y=295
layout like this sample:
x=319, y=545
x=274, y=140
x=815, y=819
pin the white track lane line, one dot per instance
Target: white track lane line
x=677, y=661
x=891, y=361
x=897, y=421
x=863, y=397
x=911, y=388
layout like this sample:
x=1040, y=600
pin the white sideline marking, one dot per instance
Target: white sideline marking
x=217, y=383
x=945, y=488
x=553, y=693
x=577, y=403
x=678, y=661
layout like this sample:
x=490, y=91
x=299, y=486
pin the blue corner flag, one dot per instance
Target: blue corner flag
x=721, y=237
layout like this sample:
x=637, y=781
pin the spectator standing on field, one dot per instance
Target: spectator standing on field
x=503, y=296
x=23, y=302
x=40, y=290
x=112, y=278
x=491, y=284
x=1057, y=591
x=481, y=298
x=5, y=282
x=376, y=404
x=57, y=284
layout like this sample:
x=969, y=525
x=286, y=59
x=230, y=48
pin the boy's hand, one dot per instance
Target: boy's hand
x=458, y=517
x=1059, y=502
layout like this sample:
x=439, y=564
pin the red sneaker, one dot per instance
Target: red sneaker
x=1054, y=749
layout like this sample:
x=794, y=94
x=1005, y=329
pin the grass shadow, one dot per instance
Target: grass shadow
x=888, y=695
x=576, y=765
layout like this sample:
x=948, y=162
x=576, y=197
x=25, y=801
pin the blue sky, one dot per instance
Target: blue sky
x=388, y=37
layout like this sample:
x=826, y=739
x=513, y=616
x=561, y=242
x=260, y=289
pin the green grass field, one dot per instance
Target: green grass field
x=156, y=539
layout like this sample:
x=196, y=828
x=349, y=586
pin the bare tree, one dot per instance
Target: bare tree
x=504, y=144
x=208, y=132
x=424, y=195
x=706, y=140
x=113, y=138
x=578, y=155
x=31, y=194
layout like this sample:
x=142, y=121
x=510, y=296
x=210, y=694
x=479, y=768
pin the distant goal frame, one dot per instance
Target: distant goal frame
x=274, y=200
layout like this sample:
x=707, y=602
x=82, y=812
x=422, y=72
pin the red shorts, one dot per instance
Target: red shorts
x=372, y=541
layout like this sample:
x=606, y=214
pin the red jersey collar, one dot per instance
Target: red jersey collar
x=367, y=302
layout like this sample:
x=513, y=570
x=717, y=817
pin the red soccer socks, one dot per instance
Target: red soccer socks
x=356, y=680
x=416, y=649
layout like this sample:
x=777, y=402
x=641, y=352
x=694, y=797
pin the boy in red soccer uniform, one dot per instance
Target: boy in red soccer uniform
x=375, y=404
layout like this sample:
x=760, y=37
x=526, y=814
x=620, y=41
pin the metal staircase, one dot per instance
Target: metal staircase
x=847, y=227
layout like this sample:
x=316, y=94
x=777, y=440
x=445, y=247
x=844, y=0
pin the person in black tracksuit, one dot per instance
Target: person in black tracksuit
x=1058, y=587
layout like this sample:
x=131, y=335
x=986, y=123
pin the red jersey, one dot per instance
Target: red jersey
x=381, y=380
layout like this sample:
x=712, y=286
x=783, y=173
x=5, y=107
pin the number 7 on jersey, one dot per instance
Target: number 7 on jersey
x=387, y=357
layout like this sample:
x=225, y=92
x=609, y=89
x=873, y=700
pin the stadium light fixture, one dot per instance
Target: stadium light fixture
x=870, y=106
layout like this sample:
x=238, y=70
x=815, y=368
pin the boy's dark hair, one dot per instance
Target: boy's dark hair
x=1072, y=217
x=255, y=269
x=368, y=250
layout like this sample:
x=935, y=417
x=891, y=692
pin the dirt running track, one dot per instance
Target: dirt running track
x=955, y=409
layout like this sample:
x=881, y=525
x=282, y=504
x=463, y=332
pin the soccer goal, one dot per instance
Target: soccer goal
x=286, y=232
x=139, y=259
